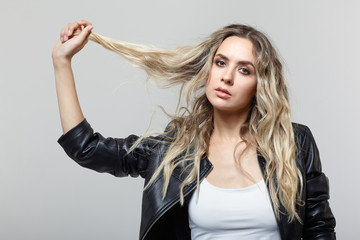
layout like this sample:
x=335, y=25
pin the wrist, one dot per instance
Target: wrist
x=60, y=62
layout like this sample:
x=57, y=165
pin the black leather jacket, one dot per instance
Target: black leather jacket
x=165, y=218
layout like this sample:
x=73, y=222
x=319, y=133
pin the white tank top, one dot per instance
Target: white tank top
x=232, y=214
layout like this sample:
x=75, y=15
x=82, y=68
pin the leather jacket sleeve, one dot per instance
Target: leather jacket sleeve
x=92, y=150
x=319, y=222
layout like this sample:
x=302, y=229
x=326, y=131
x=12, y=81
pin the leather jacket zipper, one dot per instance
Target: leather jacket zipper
x=202, y=176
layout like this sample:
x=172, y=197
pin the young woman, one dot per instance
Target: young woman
x=231, y=165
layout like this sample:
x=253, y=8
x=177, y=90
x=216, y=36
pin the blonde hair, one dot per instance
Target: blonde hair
x=269, y=121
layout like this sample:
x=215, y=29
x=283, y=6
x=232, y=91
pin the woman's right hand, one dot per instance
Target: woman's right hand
x=73, y=38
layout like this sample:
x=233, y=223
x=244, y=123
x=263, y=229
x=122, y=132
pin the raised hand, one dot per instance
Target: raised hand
x=73, y=38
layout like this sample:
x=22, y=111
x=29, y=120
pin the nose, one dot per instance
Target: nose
x=227, y=76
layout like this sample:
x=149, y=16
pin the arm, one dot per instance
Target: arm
x=92, y=150
x=68, y=45
x=89, y=149
x=319, y=222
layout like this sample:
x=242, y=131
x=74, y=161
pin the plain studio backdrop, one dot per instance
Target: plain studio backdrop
x=45, y=195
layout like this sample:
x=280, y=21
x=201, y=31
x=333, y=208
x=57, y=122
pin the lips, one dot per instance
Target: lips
x=222, y=93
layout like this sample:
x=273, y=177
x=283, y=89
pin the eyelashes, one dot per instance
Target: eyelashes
x=242, y=70
x=220, y=63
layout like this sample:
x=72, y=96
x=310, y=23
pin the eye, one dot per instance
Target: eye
x=244, y=71
x=220, y=63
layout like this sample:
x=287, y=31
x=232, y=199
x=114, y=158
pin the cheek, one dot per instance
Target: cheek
x=253, y=88
x=207, y=88
x=252, y=85
x=214, y=73
x=248, y=89
x=209, y=83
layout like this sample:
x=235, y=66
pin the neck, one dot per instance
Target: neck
x=227, y=125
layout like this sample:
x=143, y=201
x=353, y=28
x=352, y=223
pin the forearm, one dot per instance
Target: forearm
x=68, y=45
x=69, y=106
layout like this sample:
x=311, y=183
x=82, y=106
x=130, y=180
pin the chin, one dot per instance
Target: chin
x=232, y=109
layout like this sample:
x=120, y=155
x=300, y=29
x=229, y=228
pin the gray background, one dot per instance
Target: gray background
x=45, y=195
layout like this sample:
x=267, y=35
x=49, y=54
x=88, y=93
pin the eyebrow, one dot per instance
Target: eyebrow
x=240, y=62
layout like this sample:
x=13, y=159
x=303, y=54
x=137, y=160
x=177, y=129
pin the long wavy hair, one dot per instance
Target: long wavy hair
x=269, y=121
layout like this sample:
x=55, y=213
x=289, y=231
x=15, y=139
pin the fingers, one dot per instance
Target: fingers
x=72, y=28
x=67, y=31
x=84, y=23
x=85, y=33
x=73, y=37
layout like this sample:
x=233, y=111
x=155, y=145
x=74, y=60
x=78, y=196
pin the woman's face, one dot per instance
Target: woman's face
x=232, y=80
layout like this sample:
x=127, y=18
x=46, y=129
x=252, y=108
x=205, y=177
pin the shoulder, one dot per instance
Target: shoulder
x=307, y=151
x=303, y=135
x=300, y=130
